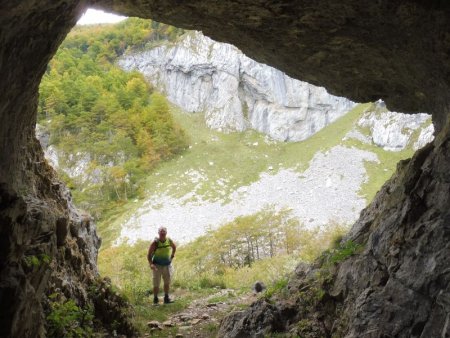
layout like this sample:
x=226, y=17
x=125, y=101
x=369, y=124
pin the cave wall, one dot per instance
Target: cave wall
x=364, y=50
x=33, y=204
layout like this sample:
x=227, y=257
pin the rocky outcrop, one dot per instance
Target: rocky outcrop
x=393, y=131
x=75, y=165
x=46, y=245
x=234, y=91
x=389, y=277
x=364, y=50
x=56, y=255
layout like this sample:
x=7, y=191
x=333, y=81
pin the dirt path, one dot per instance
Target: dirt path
x=202, y=317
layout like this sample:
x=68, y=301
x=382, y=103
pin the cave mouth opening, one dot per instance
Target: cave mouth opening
x=414, y=68
x=110, y=111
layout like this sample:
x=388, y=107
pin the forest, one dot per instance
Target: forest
x=110, y=128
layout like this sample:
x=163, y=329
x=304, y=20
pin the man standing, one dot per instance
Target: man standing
x=160, y=257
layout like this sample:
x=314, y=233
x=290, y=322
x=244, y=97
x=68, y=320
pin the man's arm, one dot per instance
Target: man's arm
x=174, y=248
x=151, y=251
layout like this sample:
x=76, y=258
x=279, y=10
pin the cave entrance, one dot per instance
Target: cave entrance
x=135, y=161
x=404, y=62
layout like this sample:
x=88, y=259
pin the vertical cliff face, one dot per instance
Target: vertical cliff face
x=234, y=91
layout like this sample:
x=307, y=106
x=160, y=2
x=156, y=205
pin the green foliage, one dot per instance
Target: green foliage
x=279, y=287
x=67, y=319
x=107, y=119
x=105, y=43
x=341, y=253
x=205, y=265
x=247, y=239
x=34, y=261
x=237, y=248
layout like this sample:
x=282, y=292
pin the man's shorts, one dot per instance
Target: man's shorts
x=161, y=271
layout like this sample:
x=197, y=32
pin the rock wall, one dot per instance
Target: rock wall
x=46, y=245
x=234, y=91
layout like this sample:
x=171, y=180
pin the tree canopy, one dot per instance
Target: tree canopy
x=110, y=128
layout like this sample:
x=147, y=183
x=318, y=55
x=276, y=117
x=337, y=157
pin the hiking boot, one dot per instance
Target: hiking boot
x=155, y=300
x=167, y=300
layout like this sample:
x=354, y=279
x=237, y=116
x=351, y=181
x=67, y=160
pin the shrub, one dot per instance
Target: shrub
x=67, y=319
x=277, y=288
x=341, y=253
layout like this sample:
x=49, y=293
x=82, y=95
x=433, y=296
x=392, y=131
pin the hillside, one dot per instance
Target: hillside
x=223, y=176
x=196, y=180
x=102, y=128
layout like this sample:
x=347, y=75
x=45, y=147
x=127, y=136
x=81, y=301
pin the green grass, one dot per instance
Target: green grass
x=341, y=252
x=238, y=159
x=377, y=173
x=226, y=162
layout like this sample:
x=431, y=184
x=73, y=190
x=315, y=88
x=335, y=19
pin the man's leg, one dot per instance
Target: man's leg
x=156, y=283
x=166, y=279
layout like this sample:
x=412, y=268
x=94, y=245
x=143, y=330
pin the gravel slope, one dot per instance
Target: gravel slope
x=326, y=191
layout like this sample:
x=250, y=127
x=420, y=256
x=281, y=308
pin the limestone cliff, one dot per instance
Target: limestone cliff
x=234, y=91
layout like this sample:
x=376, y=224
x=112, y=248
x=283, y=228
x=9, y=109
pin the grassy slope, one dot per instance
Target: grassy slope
x=229, y=161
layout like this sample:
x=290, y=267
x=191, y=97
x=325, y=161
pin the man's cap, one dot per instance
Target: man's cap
x=160, y=229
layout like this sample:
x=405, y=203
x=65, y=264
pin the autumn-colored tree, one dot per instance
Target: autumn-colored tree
x=108, y=121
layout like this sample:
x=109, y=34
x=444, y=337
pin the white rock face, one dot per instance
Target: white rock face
x=393, y=131
x=426, y=136
x=74, y=165
x=234, y=91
